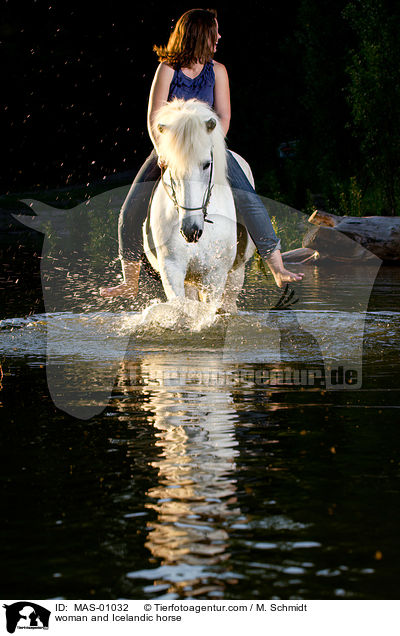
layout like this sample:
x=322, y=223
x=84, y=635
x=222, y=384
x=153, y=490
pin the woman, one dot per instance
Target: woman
x=186, y=70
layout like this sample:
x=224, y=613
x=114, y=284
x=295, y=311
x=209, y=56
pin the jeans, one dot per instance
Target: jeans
x=250, y=210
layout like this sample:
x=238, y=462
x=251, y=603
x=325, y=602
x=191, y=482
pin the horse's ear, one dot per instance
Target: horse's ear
x=210, y=124
x=161, y=127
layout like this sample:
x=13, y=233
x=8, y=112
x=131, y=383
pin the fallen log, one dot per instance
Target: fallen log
x=300, y=255
x=370, y=235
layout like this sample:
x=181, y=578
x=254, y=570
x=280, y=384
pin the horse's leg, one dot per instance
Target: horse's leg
x=173, y=279
x=234, y=284
x=212, y=288
x=191, y=291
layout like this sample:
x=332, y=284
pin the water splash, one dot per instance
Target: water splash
x=180, y=314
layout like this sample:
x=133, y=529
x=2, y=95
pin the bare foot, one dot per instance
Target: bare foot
x=129, y=287
x=119, y=290
x=279, y=271
x=285, y=276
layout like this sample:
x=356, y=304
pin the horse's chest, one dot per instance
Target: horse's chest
x=207, y=255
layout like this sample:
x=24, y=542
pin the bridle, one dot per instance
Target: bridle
x=206, y=198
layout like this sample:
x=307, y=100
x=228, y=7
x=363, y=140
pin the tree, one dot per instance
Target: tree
x=374, y=96
x=323, y=40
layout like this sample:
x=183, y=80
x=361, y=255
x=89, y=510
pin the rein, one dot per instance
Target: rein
x=206, y=197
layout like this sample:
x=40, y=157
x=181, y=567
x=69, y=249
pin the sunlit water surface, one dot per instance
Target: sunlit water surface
x=174, y=453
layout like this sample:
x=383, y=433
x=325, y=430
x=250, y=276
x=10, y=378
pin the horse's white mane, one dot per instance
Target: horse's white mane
x=185, y=139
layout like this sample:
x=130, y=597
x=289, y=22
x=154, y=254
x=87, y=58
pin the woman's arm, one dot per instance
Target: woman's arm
x=158, y=96
x=222, y=99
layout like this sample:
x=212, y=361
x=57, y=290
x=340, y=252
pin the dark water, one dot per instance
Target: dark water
x=192, y=486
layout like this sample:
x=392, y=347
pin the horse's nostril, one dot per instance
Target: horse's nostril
x=196, y=235
x=191, y=236
x=188, y=237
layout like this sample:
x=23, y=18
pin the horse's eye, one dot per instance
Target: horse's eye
x=206, y=165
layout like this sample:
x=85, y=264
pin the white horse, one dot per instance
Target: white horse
x=191, y=236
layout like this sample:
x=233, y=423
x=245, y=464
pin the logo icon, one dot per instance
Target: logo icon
x=26, y=615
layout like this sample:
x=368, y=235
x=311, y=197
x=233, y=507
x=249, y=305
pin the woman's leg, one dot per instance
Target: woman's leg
x=131, y=218
x=252, y=213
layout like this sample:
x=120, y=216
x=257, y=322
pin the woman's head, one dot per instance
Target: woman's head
x=192, y=40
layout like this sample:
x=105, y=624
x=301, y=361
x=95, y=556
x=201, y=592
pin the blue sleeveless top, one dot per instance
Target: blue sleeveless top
x=201, y=87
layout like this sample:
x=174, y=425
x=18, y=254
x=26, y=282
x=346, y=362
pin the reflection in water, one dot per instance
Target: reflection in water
x=192, y=485
x=194, y=497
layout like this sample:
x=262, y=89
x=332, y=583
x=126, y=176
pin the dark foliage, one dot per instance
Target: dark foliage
x=76, y=79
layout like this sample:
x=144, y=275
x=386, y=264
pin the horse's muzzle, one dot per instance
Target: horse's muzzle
x=191, y=235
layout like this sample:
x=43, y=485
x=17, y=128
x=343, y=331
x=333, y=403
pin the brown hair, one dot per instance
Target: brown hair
x=192, y=40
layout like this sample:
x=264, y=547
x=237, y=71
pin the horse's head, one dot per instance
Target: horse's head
x=191, y=142
x=191, y=194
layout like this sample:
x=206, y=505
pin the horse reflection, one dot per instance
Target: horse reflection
x=194, y=497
